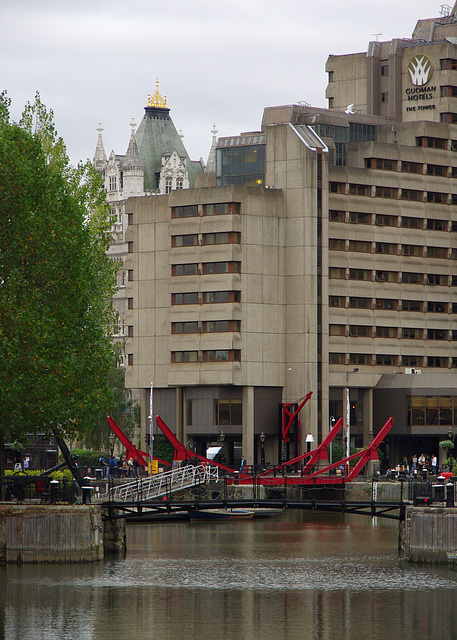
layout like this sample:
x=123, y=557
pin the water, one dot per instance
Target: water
x=299, y=575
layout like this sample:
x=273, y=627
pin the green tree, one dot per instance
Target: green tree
x=56, y=283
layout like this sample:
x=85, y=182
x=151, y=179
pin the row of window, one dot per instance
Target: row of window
x=379, y=275
x=392, y=193
x=214, y=355
x=405, y=166
x=392, y=304
x=382, y=220
x=194, y=210
x=408, y=333
x=431, y=411
x=209, y=326
x=390, y=360
x=205, y=297
x=205, y=268
x=392, y=248
x=194, y=240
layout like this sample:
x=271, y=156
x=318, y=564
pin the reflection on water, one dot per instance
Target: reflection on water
x=297, y=575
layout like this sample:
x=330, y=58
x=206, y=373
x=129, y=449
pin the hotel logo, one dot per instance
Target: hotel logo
x=420, y=70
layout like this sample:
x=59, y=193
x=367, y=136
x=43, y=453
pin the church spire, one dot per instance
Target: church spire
x=132, y=158
x=100, y=159
x=211, y=164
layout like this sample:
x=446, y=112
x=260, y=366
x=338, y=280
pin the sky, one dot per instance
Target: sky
x=217, y=62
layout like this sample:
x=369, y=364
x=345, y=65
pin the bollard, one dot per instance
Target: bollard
x=450, y=494
x=54, y=484
x=86, y=494
x=237, y=477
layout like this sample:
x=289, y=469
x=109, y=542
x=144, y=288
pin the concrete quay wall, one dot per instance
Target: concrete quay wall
x=429, y=534
x=50, y=533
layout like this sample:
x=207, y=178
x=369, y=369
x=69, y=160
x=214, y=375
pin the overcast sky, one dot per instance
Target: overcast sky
x=216, y=61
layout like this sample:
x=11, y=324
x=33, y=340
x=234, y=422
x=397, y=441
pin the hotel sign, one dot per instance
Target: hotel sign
x=420, y=71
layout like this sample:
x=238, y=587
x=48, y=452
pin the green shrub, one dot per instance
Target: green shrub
x=87, y=457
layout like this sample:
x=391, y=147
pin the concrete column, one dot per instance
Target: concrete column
x=248, y=424
x=180, y=428
x=144, y=406
x=367, y=416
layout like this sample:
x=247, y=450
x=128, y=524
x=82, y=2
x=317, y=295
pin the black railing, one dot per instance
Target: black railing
x=37, y=489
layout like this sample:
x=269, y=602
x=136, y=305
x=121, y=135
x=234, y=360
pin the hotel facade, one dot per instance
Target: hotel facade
x=320, y=255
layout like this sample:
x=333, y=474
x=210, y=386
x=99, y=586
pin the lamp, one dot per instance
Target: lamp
x=262, y=449
x=309, y=441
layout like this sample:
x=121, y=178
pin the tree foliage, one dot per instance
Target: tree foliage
x=56, y=282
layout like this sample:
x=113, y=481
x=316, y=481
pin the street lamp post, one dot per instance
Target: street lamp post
x=309, y=441
x=262, y=449
x=332, y=422
x=348, y=413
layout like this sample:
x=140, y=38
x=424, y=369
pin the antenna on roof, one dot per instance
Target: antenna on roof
x=445, y=10
x=378, y=35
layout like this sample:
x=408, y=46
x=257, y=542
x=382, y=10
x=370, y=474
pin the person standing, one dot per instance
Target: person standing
x=243, y=465
x=434, y=464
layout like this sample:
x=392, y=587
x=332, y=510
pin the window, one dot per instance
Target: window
x=213, y=297
x=336, y=358
x=190, y=211
x=431, y=143
x=130, y=331
x=411, y=361
x=179, y=183
x=412, y=305
x=386, y=304
x=337, y=273
x=385, y=96
x=359, y=218
x=225, y=237
x=386, y=221
x=386, y=332
x=337, y=187
x=360, y=190
x=360, y=303
x=386, y=360
x=184, y=269
x=331, y=76
x=386, y=276
x=437, y=197
x=448, y=64
x=130, y=247
x=227, y=412
x=437, y=170
x=381, y=164
x=129, y=303
x=412, y=278
x=184, y=298
x=437, y=225
x=112, y=183
x=336, y=216
x=386, y=192
x=360, y=358
x=130, y=359
x=189, y=240
x=221, y=267
x=437, y=278
x=219, y=326
x=410, y=333
x=184, y=327
x=411, y=167
x=437, y=307
x=222, y=355
x=337, y=301
x=359, y=274
x=413, y=195
x=360, y=246
x=411, y=223
x=437, y=334
x=387, y=248
x=384, y=69
x=168, y=185
x=412, y=250
x=337, y=329
x=130, y=275
x=184, y=356
x=360, y=331
x=336, y=244
x=437, y=252
x=221, y=208
x=434, y=361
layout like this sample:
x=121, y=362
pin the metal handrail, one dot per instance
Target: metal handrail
x=162, y=484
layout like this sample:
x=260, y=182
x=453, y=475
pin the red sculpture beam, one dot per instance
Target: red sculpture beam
x=288, y=417
x=182, y=454
x=130, y=450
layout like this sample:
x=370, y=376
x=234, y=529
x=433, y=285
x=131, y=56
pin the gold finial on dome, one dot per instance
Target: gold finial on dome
x=156, y=100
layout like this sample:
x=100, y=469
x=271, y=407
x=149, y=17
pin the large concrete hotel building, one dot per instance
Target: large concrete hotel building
x=320, y=255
